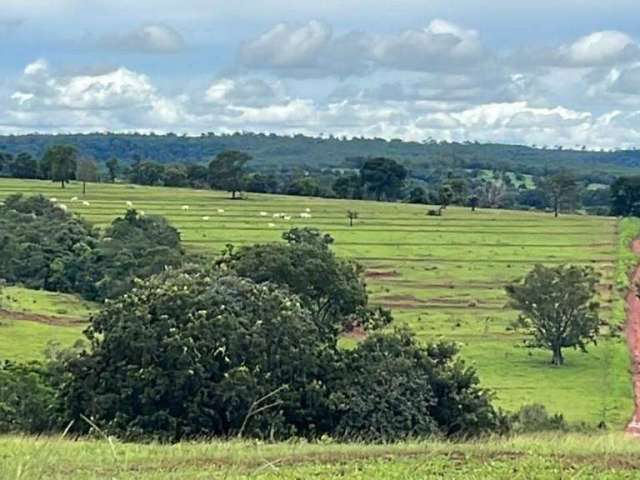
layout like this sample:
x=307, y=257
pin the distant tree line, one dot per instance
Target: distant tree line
x=375, y=178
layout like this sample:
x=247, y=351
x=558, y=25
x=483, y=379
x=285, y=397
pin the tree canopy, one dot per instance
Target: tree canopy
x=227, y=171
x=557, y=308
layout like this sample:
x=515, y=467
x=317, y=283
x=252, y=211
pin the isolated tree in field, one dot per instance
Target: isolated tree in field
x=60, y=161
x=383, y=177
x=625, y=196
x=445, y=195
x=562, y=190
x=86, y=171
x=473, y=202
x=112, y=168
x=352, y=215
x=228, y=171
x=557, y=308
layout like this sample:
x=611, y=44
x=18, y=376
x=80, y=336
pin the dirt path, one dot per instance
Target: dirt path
x=47, y=319
x=633, y=338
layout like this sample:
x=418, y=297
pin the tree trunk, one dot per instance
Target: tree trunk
x=555, y=207
x=557, y=359
x=84, y=188
x=233, y=194
x=62, y=183
x=473, y=208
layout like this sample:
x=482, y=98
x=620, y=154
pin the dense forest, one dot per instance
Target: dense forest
x=274, y=151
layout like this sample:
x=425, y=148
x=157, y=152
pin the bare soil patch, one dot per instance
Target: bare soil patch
x=633, y=339
x=46, y=319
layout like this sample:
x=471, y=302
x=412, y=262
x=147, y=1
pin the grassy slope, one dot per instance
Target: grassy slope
x=57, y=318
x=610, y=456
x=443, y=276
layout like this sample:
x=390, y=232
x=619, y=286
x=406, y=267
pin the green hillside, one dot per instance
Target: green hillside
x=442, y=276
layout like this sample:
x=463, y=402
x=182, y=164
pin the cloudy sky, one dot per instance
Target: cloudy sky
x=543, y=72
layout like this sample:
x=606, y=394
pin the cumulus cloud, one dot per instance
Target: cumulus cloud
x=156, y=38
x=597, y=49
x=243, y=91
x=312, y=50
x=117, y=98
x=287, y=46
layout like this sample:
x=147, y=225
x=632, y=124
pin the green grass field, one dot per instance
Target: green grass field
x=611, y=456
x=442, y=276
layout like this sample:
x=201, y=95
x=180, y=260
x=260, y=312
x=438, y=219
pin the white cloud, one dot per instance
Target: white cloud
x=287, y=46
x=34, y=68
x=155, y=38
x=243, y=91
x=600, y=48
x=312, y=50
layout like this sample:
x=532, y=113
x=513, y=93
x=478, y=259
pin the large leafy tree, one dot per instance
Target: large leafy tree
x=558, y=309
x=112, y=167
x=59, y=162
x=625, y=196
x=227, y=171
x=562, y=190
x=190, y=354
x=333, y=289
x=383, y=177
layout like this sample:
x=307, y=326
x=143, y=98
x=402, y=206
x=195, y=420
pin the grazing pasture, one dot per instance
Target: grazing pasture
x=443, y=276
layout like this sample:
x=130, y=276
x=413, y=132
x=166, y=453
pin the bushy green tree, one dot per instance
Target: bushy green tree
x=390, y=388
x=558, y=308
x=332, y=288
x=227, y=171
x=86, y=171
x=192, y=354
x=625, y=197
x=384, y=177
x=59, y=163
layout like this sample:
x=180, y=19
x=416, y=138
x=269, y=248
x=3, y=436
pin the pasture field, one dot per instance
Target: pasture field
x=444, y=276
x=574, y=456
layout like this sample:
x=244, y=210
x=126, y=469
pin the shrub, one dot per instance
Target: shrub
x=27, y=398
x=187, y=354
x=535, y=418
x=391, y=388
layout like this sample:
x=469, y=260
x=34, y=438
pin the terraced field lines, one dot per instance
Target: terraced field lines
x=444, y=277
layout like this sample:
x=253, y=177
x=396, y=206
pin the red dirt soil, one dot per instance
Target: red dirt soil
x=46, y=319
x=633, y=339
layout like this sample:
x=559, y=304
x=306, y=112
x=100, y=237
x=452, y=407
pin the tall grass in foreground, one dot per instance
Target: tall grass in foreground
x=606, y=456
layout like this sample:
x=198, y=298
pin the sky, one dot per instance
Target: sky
x=561, y=72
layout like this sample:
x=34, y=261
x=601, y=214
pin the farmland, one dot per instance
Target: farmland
x=442, y=276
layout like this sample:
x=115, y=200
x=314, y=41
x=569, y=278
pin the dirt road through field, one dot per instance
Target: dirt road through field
x=633, y=338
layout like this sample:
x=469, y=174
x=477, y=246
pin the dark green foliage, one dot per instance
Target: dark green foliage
x=135, y=246
x=112, y=167
x=39, y=241
x=625, y=197
x=348, y=186
x=562, y=189
x=186, y=355
x=27, y=398
x=392, y=388
x=44, y=247
x=23, y=166
x=384, y=177
x=227, y=171
x=535, y=418
x=59, y=163
x=558, y=308
x=332, y=288
x=146, y=173
x=418, y=195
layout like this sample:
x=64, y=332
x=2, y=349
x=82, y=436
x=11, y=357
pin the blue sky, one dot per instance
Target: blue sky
x=563, y=72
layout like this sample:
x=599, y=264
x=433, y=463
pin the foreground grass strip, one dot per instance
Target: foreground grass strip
x=610, y=456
